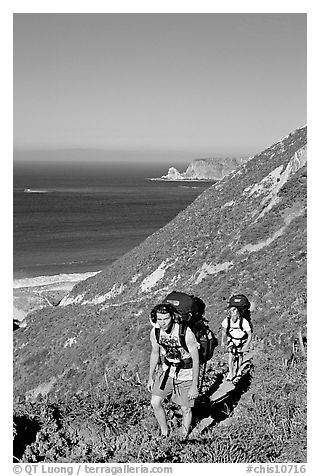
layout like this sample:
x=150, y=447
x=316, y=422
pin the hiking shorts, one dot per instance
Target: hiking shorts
x=176, y=389
x=235, y=343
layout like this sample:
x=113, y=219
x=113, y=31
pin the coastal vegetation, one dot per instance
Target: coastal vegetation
x=264, y=421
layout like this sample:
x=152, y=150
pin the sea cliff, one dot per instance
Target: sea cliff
x=206, y=169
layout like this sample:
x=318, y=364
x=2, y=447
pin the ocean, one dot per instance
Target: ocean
x=73, y=219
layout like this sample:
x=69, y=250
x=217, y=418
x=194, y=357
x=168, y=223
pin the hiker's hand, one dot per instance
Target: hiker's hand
x=225, y=348
x=193, y=392
x=150, y=384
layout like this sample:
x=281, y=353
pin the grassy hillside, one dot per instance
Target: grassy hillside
x=86, y=360
x=115, y=424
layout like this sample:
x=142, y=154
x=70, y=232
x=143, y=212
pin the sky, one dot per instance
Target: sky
x=202, y=84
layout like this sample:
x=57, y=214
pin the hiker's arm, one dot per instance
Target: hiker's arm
x=223, y=337
x=193, y=349
x=193, y=392
x=154, y=358
x=247, y=343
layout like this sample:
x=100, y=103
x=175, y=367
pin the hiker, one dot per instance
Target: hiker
x=179, y=373
x=236, y=333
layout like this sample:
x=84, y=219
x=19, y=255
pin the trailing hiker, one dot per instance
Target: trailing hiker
x=236, y=333
x=181, y=340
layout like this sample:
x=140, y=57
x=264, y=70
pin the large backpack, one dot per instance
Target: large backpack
x=242, y=303
x=189, y=312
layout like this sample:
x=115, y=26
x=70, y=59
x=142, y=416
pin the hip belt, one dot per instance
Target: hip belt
x=183, y=364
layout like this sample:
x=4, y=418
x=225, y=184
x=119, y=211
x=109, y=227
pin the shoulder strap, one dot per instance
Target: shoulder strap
x=228, y=325
x=182, y=335
x=157, y=334
x=248, y=322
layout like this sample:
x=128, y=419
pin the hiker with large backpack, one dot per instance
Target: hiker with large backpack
x=236, y=332
x=180, y=351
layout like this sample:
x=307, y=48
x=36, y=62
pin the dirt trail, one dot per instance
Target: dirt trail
x=222, y=393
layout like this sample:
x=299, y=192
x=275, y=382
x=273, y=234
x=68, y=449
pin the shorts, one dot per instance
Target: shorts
x=178, y=389
x=235, y=344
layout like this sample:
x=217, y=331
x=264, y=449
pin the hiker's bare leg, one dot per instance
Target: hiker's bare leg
x=231, y=366
x=159, y=413
x=240, y=360
x=186, y=420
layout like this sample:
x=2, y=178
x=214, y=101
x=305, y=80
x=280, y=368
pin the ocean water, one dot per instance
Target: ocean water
x=73, y=219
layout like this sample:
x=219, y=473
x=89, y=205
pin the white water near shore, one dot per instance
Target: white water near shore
x=52, y=282
x=34, y=293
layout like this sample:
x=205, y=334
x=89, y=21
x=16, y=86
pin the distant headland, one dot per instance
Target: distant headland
x=207, y=169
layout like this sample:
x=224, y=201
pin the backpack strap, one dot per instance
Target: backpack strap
x=243, y=318
x=186, y=363
x=166, y=374
x=165, y=378
x=240, y=327
x=182, y=335
x=183, y=364
x=228, y=325
x=157, y=334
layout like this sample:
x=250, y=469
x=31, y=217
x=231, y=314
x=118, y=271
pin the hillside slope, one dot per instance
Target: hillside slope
x=245, y=233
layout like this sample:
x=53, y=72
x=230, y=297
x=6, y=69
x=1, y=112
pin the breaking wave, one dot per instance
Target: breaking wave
x=55, y=280
x=30, y=190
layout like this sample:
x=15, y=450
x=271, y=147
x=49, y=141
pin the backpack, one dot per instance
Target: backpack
x=242, y=303
x=189, y=311
x=239, y=301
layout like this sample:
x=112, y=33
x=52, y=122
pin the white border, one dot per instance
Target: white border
x=118, y=6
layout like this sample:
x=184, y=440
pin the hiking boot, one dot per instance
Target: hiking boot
x=183, y=436
x=161, y=437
